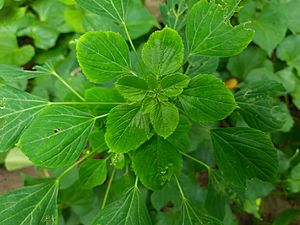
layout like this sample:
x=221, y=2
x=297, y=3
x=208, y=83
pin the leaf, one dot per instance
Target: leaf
x=250, y=58
x=164, y=118
x=30, y=205
x=132, y=88
x=12, y=73
x=129, y=210
x=201, y=65
x=17, y=110
x=268, y=32
x=116, y=9
x=174, y=84
x=126, y=128
x=180, y=137
x=103, y=56
x=92, y=173
x=57, y=136
x=189, y=216
x=216, y=199
x=108, y=96
x=207, y=99
x=2, y=2
x=16, y=160
x=288, y=50
x=11, y=53
x=293, y=184
x=209, y=32
x=292, y=11
x=244, y=153
x=97, y=140
x=51, y=13
x=138, y=20
x=173, y=13
x=257, y=107
x=155, y=162
x=163, y=53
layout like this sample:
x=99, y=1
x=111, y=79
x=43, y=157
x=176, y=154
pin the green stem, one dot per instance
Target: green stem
x=180, y=188
x=196, y=160
x=75, y=164
x=101, y=116
x=108, y=188
x=136, y=182
x=294, y=156
x=85, y=103
x=67, y=85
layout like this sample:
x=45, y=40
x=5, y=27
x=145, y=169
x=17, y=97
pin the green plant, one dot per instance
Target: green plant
x=137, y=111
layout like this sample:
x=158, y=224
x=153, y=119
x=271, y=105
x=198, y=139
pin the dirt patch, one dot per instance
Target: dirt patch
x=13, y=180
x=153, y=7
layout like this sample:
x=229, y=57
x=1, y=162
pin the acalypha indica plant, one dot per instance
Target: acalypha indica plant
x=130, y=133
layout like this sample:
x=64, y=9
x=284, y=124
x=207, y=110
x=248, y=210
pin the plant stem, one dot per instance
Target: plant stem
x=196, y=160
x=67, y=85
x=108, y=188
x=136, y=182
x=86, y=103
x=75, y=164
x=180, y=188
x=101, y=116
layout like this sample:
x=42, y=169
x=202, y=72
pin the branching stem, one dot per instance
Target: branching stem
x=75, y=164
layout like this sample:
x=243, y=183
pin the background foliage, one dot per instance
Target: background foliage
x=204, y=153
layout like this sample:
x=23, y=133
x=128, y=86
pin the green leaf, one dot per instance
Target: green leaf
x=164, y=118
x=209, y=32
x=250, y=58
x=138, y=20
x=215, y=199
x=293, y=184
x=126, y=128
x=30, y=205
x=103, y=56
x=173, y=13
x=256, y=105
x=180, y=137
x=129, y=210
x=173, y=85
x=132, y=88
x=17, y=110
x=116, y=9
x=51, y=13
x=105, y=95
x=202, y=65
x=97, y=140
x=2, y=2
x=12, y=73
x=244, y=153
x=189, y=216
x=57, y=136
x=163, y=53
x=292, y=11
x=288, y=51
x=155, y=162
x=268, y=32
x=92, y=173
x=11, y=53
x=207, y=99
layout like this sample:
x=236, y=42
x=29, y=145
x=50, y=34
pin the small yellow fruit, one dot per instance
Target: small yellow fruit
x=231, y=83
